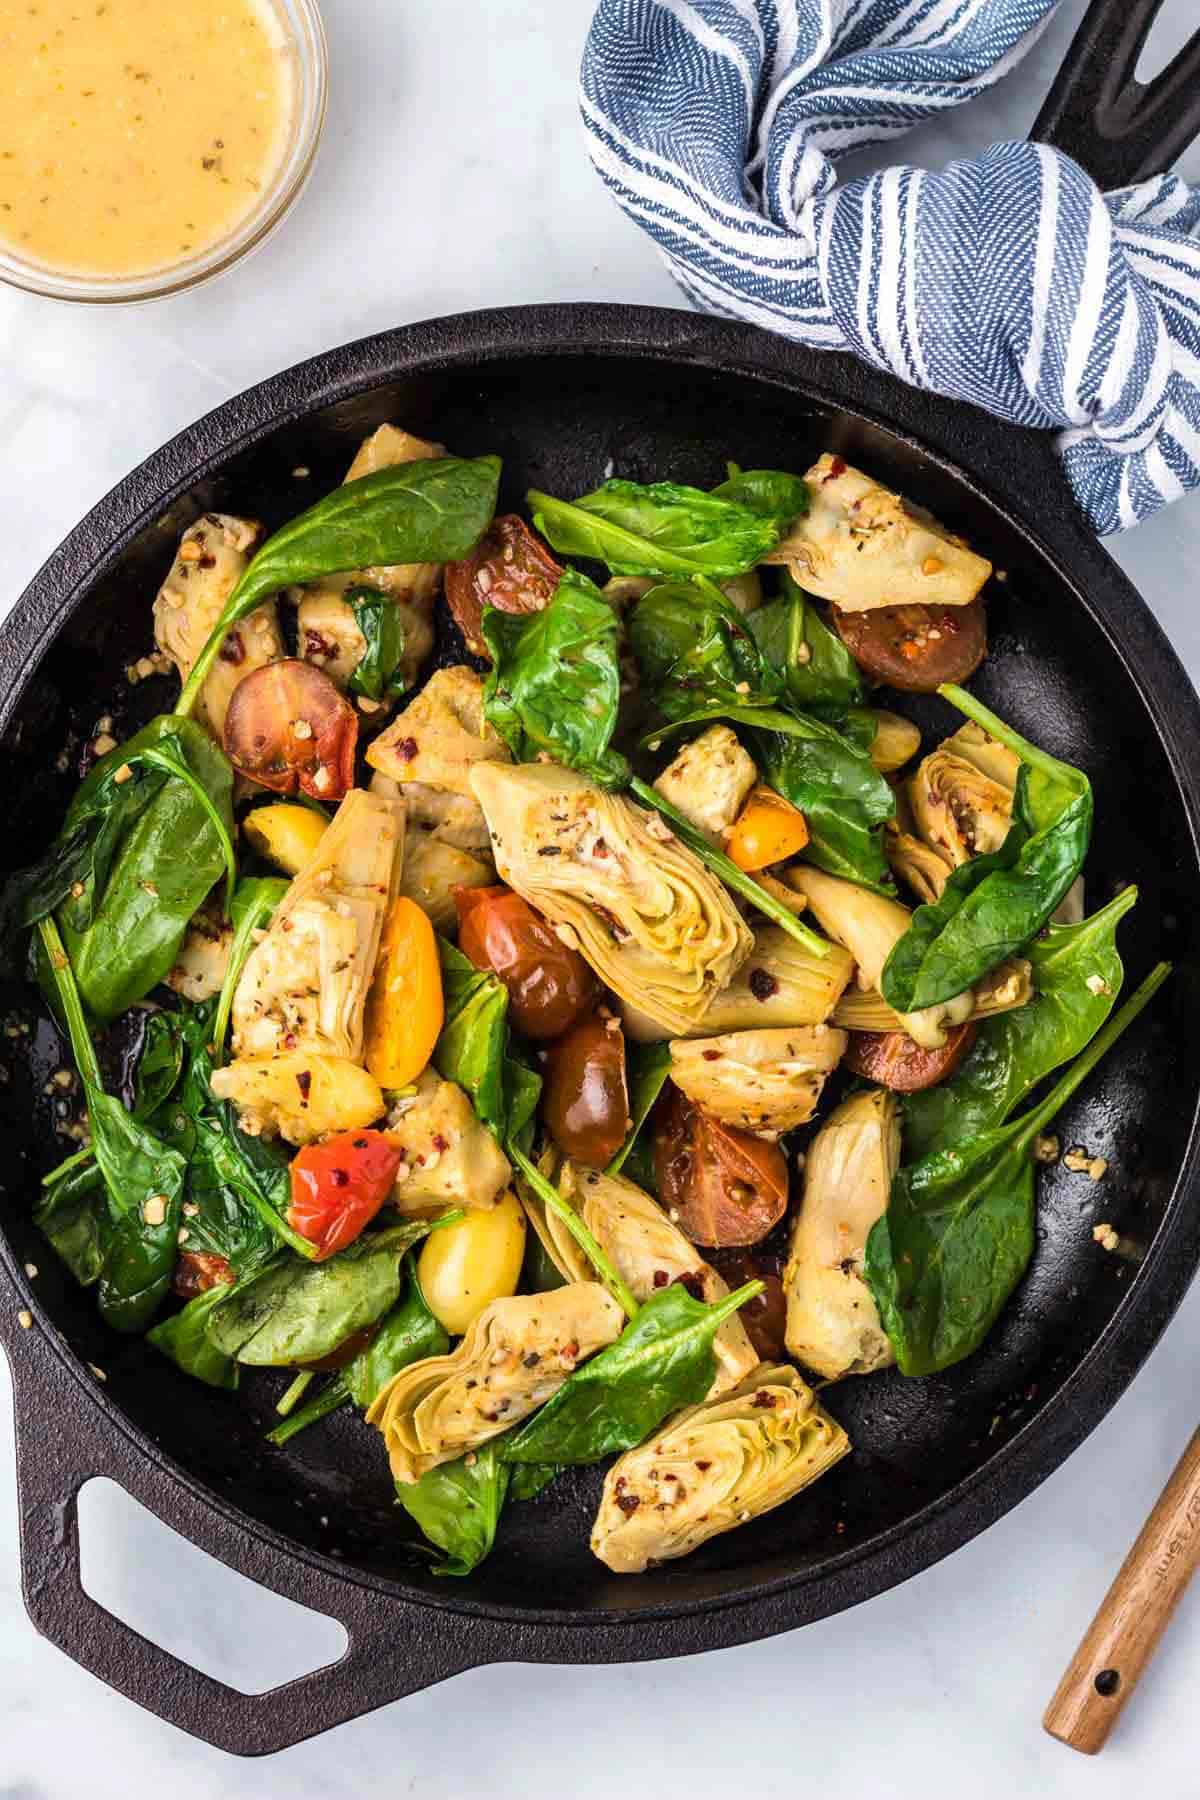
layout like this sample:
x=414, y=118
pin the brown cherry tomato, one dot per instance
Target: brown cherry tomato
x=765, y=1317
x=288, y=727
x=548, y=984
x=915, y=647
x=585, y=1100
x=198, y=1270
x=509, y=568
x=339, y=1185
x=893, y=1060
x=721, y=1186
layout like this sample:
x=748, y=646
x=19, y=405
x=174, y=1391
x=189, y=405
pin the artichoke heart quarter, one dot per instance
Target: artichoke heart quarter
x=959, y=811
x=763, y=1081
x=213, y=555
x=649, y=1253
x=641, y=908
x=304, y=986
x=715, y=1466
x=860, y=545
x=515, y=1356
x=832, y=1322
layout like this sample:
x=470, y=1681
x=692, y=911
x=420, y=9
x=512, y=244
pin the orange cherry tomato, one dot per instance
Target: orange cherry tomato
x=289, y=728
x=338, y=1186
x=767, y=830
x=510, y=568
x=549, y=985
x=405, y=1008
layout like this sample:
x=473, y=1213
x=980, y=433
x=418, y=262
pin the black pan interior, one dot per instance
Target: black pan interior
x=1052, y=670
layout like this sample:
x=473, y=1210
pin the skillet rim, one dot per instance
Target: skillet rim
x=1006, y=465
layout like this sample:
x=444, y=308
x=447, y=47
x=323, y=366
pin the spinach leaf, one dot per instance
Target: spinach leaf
x=662, y=1360
x=184, y=1338
x=768, y=492
x=408, y=1334
x=160, y=1063
x=555, y=682
x=660, y=529
x=837, y=787
x=993, y=905
x=694, y=652
x=431, y=511
x=728, y=872
x=378, y=618
x=251, y=909
x=959, y=1228
x=475, y=1048
x=124, y=932
x=68, y=1213
x=294, y=1312
x=143, y=1178
x=819, y=673
x=528, y=1479
x=1014, y=1050
x=646, y=1069
x=458, y=1507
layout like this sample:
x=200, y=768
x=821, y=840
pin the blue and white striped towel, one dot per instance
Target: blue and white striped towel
x=1008, y=280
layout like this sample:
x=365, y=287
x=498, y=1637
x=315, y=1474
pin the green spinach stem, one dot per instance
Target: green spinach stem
x=550, y=1197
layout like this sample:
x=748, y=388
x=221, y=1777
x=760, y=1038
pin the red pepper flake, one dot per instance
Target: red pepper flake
x=763, y=1398
x=304, y=1083
x=628, y=1503
x=233, y=650
x=661, y=1278
x=763, y=984
x=406, y=749
x=694, y=1283
x=316, y=645
x=836, y=467
x=339, y=1177
x=440, y=1143
x=711, y=1055
x=703, y=1466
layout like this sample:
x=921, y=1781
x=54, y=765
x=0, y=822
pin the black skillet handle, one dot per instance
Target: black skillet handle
x=64, y=1438
x=1120, y=129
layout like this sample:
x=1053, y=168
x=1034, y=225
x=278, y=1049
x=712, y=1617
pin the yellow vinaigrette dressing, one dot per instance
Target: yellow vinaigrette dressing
x=135, y=134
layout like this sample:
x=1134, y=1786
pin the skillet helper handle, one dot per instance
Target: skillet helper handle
x=64, y=1439
x=1133, y=1615
x=1119, y=129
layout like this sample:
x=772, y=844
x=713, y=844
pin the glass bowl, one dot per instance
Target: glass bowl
x=304, y=39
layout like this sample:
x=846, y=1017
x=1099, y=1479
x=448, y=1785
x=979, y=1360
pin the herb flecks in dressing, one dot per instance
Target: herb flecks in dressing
x=134, y=135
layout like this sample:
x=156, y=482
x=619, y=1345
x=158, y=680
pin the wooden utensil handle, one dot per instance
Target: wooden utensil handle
x=1133, y=1615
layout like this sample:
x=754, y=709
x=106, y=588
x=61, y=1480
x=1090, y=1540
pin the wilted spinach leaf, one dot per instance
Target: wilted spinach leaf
x=771, y=493
x=378, y=618
x=555, y=682
x=694, y=652
x=458, y=1507
x=184, y=1338
x=819, y=673
x=660, y=529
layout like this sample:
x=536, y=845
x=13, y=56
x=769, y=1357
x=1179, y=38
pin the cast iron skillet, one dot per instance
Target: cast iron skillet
x=566, y=393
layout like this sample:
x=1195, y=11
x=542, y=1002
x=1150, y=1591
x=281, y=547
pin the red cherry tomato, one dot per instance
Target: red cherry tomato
x=585, y=1102
x=338, y=1186
x=198, y=1270
x=721, y=1186
x=765, y=1317
x=288, y=727
x=892, y=1059
x=548, y=984
x=509, y=568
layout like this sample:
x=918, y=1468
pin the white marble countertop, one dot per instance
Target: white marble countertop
x=452, y=176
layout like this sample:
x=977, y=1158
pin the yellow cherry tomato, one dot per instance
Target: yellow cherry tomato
x=464, y=1267
x=405, y=1009
x=285, y=834
x=767, y=830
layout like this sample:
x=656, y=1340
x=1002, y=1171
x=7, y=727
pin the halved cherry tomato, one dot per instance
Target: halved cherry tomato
x=198, y=1270
x=721, y=1186
x=509, y=568
x=405, y=1009
x=585, y=1101
x=338, y=1186
x=548, y=984
x=288, y=727
x=894, y=1060
x=767, y=830
x=765, y=1317
x=915, y=647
